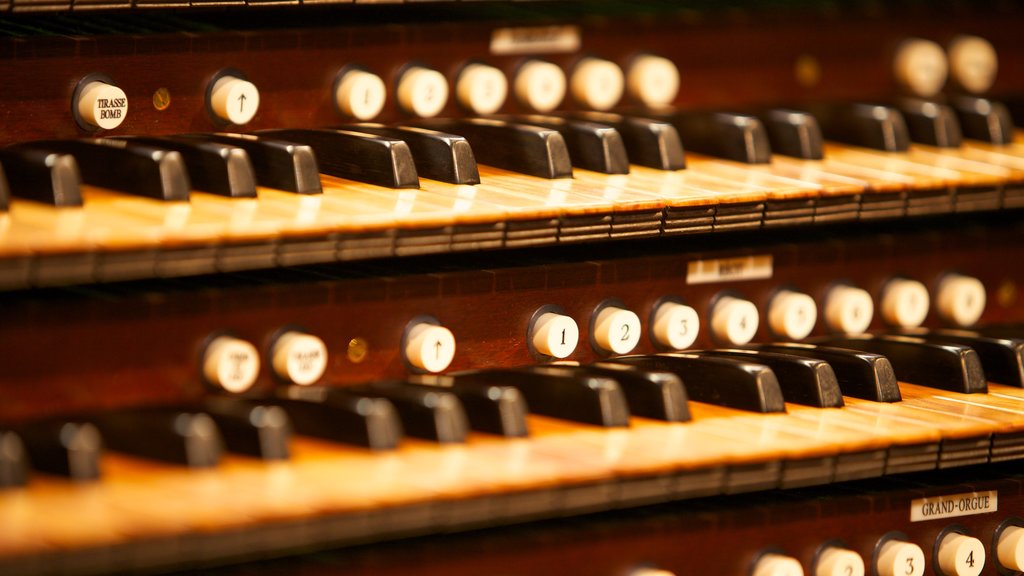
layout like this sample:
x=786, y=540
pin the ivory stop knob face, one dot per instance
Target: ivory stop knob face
x=848, y=309
x=597, y=83
x=734, y=321
x=835, y=561
x=905, y=303
x=961, y=555
x=430, y=347
x=234, y=100
x=299, y=358
x=555, y=335
x=231, y=363
x=422, y=92
x=675, y=325
x=102, y=105
x=792, y=314
x=899, y=558
x=1010, y=548
x=653, y=80
x=777, y=565
x=481, y=89
x=539, y=85
x=360, y=94
x=616, y=330
x=961, y=300
x=920, y=66
x=973, y=63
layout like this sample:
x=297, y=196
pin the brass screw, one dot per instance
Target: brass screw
x=357, y=350
x=1006, y=295
x=807, y=70
x=161, y=99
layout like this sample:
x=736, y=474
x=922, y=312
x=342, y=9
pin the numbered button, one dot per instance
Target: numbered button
x=422, y=92
x=792, y=314
x=554, y=335
x=836, y=561
x=481, y=89
x=539, y=85
x=961, y=299
x=734, y=321
x=675, y=326
x=360, y=94
x=905, y=303
x=973, y=63
x=429, y=347
x=1010, y=548
x=101, y=105
x=900, y=558
x=597, y=83
x=777, y=565
x=653, y=80
x=299, y=358
x=961, y=555
x=234, y=99
x=921, y=67
x=616, y=330
x=848, y=309
x=231, y=364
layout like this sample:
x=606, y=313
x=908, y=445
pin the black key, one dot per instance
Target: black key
x=341, y=417
x=860, y=374
x=803, y=380
x=649, y=143
x=1002, y=358
x=212, y=167
x=279, y=164
x=651, y=394
x=13, y=460
x=41, y=175
x=520, y=148
x=251, y=428
x=170, y=435
x=867, y=125
x=493, y=409
x=357, y=156
x=724, y=381
x=138, y=170
x=726, y=135
x=984, y=119
x=794, y=133
x=65, y=448
x=438, y=155
x=592, y=146
x=931, y=123
x=580, y=398
x=944, y=366
x=429, y=413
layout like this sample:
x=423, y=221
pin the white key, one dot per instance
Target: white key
x=920, y=66
x=899, y=558
x=653, y=80
x=961, y=299
x=848, y=309
x=481, y=89
x=617, y=330
x=360, y=94
x=539, y=85
x=835, y=561
x=597, y=83
x=675, y=325
x=299, y=358
x=555, y=335
x=792, y=315
x=961, y=555
x=734, y=321
x=430, y=347
x=905, y=303
x=422, y=92
x=234, y=100
x=777, y=565
x=231, y=363
x=973, y=63
x=1010, y=548
x=102, y=105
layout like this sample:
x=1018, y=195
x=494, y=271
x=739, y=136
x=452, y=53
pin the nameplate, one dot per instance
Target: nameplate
x=954, y=505
x=729, y=269
x=535, y=40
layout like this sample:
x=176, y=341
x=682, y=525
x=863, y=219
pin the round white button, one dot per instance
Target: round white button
x=920, y=66
x=540, y=85
x=481, y=88
x=961, y=555
x=1010, y=548
x=848, y=309
x=961, y=299
x=777, y=565
x=653, y=80
x=734, y=321
x=597, y=83
x=231, y=363
x=360, y=94
x=430, y=347
x=422, y=92
x=973, y=63
x=555, y=335
x=905, y=303
x=675, y=325
x=617, y=330
x=299, y=358
x=899, y=558
x=102, y=105
x=651, y=572
x=792, y=314
x=234, y=100
x=835, y=561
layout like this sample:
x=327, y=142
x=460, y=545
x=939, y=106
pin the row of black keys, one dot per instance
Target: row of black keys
x=760, y=378
x=168, y=168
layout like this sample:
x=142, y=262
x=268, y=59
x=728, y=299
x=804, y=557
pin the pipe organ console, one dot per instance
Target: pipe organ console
x=619, y=288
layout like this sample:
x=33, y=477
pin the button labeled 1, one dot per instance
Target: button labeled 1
x=777, y=565
x=675, y=325
x=234, y=99
x=616, y=330
x=360, y=94
x=554, y=335
x=429, y=347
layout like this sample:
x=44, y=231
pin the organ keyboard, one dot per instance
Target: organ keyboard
x=275, y=282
